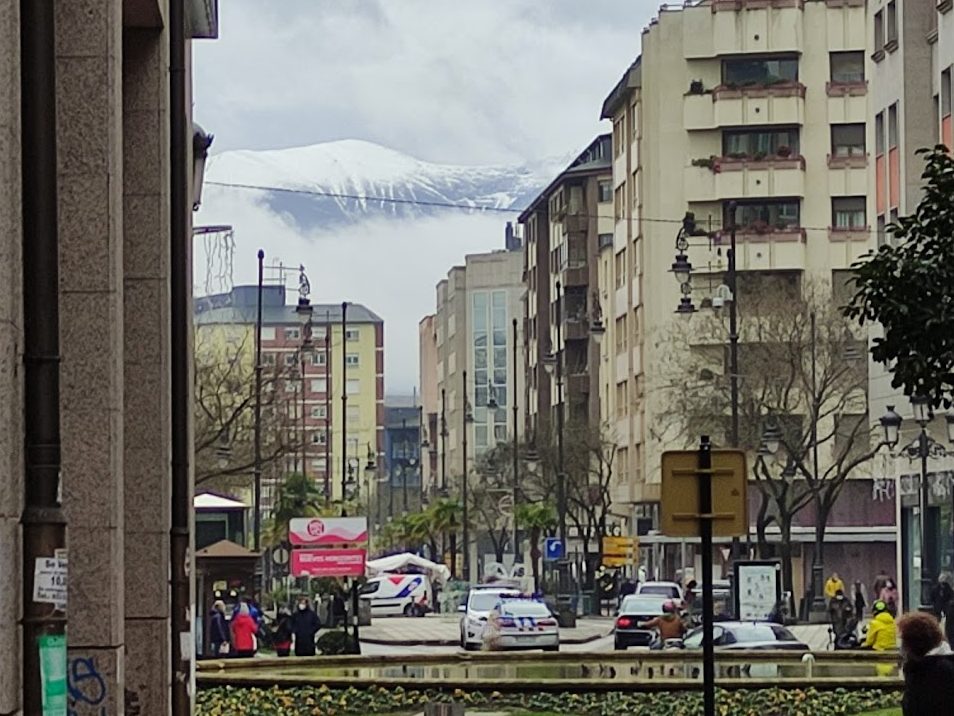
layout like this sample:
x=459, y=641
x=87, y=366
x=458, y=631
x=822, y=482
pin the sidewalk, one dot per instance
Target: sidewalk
x=444, y=630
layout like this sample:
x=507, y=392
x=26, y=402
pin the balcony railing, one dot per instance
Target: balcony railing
x=737, y=5
x=778, y=89
x=846, y=89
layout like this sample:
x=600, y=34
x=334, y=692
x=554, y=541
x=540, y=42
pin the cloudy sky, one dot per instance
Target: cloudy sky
x=480, y=82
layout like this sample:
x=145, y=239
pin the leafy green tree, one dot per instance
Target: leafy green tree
x=537, y=518
x=298, y=496
x=907, y=286
x=447, y=517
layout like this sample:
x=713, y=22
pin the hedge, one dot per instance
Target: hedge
x=322, y=701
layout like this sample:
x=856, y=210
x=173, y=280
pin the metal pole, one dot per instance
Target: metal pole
x=180, y=347
x=705, y=532
x=344, y=400
x=561, y=474
x=327, y=405
x=404, y=465
x=420, y=457
x=516, y=458
x=304, y=426
x=257, y=437
x=443, y=442
x=927, y=548
x=466, y=520
x=818, y=567
x=732, y=284
x=44, y=525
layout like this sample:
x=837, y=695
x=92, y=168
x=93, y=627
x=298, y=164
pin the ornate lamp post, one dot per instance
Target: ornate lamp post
x=304, y=310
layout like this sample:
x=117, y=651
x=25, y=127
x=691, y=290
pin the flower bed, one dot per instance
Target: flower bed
x=322, y=701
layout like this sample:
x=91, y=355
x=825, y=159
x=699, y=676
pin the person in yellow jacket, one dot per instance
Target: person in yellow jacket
x=882, y=632
x=832, y=586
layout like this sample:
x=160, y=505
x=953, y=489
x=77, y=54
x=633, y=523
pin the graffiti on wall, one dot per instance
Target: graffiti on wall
x=87, y=688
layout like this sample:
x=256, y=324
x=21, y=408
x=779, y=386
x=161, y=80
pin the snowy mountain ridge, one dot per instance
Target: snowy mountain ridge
x=352, y=170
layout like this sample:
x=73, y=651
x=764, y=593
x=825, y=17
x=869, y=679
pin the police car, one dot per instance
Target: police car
x=520, y=622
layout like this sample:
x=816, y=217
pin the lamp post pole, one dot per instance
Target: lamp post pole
x=516, y=459
x=344, y=400
x=928, y=541
x=561, y=474
x=466, y=520
x=327, y=405
x=443, y=443
x=404, y=465
x=257, y=436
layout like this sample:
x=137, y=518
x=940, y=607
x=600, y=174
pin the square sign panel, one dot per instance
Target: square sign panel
x=679, y=505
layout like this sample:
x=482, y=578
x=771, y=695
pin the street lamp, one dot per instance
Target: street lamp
x=201, y=141
x=772, y=437
x=922, y=447
x=304, y=311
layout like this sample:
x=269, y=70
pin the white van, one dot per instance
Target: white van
x=396, y=594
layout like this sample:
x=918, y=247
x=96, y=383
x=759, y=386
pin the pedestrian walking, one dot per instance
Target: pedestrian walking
x=218, y=630
x=833, y=586
x=305, y=625
x=941, y=595
x=859, y=601
x=283, y=632
x=244, y=629
x=927, y=665
x=840, y=611
x=881, y=579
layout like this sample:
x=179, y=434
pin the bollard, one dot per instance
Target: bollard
x=444, y=709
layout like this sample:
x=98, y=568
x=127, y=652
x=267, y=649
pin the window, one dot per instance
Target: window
x=767, y=142
x=848, y=212
x=893, y=126
x=319, y=332
x=879, y=34
x=770, y=214
x=621, y=396
x=319, y=385
x=320, y=465
x=352, y=360
x=354, y=387
x=620, y=334
x=847, y=67
x=318, y=438
x=847, y=140
x=268, y=333
x=605, y=191
x=881, y=231
x=619, y=202
x=605, y=241
x=290, y=386
x=620, y=269
x=268, y=359
x=317, y=358
x=745, y=72
x=290, y=359
x=891, y=29
x=879, y=133
x=319, y=412
x=354, y=414
x=352, y=334
x=292, y=334
x=946, y=92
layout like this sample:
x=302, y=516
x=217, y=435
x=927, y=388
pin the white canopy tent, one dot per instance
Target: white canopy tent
x=397, y=563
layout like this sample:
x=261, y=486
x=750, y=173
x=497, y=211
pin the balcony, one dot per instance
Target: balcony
x=848, y=175
x=720, y=28
x=762, y=249
x=847, y=102
x=744, y=177
x=577, y=328
x=729, y=106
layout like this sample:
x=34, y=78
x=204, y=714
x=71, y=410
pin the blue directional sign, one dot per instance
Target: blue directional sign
x=553, y=549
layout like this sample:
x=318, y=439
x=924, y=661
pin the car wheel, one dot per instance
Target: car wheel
x=555, y=647
x=463, y=642
x=409, y=610
x=469, y=647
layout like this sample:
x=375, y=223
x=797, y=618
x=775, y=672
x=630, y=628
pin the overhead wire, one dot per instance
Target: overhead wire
x=474, y=208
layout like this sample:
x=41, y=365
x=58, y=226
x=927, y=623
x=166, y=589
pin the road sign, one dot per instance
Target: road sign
x=328, y=562
x=679, y=503
x=620, y=551
x=280, y=556
x=322, y=531
x=553, y=549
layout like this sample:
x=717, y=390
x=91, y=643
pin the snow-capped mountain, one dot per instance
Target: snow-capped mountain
x=351, y=169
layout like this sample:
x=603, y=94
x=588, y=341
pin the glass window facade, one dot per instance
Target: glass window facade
x=759, y=71
x=490, y=349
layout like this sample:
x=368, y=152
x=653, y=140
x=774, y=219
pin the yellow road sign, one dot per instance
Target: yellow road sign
x=620, y=561
x=679, y=503
x=619, y=546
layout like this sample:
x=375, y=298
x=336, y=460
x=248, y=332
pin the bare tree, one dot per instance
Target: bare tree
x=803, y=384
x=224, y=410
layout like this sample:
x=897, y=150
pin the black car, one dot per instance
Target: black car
x=636, y=609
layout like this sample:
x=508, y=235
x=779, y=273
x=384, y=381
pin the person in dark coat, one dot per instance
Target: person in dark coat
x=305, y=625
x=860, y=602
x=283, y=632
x=339, y=613
x=928, y=666
x=218, y=630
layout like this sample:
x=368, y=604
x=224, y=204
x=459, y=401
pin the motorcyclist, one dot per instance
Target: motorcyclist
x=882, y=632
x=668, y=625
x=840, y=612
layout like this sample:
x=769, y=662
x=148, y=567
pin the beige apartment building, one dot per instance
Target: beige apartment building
x=96, y=197
x=911, y=67
x=473, y=334
x=760, y=102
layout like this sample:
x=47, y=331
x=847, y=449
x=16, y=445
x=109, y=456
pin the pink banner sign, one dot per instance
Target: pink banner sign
x=326, y=531
x=328, y=562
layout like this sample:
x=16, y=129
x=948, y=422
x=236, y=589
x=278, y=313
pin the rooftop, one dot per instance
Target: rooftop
x=240, y=305
x=597, y=158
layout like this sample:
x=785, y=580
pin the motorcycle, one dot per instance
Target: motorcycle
x=846, y=639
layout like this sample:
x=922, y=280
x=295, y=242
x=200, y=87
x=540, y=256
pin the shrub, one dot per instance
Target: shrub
x=333, y=643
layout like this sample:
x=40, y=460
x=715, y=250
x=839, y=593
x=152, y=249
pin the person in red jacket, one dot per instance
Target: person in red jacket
x=244, y=629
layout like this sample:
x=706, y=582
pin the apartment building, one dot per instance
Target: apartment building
x=911, y=68
x=759, y=102
x=475, y=309
x=340, y=356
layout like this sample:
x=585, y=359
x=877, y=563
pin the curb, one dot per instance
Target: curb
x=455, y=642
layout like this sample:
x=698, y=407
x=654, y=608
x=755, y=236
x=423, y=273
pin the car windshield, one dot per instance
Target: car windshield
x=643, y=605
x=523, y=608
x=483, y=601
x=664, y=590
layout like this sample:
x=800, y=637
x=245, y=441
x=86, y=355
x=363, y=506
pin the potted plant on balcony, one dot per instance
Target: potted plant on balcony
x=759, y=156
x=760, y=227
x=784, y=151
x=696, y=87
